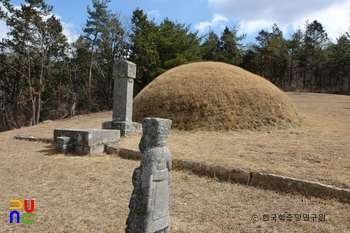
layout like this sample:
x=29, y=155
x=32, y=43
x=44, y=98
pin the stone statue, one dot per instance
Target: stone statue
x=149, y=202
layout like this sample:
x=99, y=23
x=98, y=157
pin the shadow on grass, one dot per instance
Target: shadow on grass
x=50, y=150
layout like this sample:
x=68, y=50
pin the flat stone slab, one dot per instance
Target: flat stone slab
x=84, y=141
x=87, y=137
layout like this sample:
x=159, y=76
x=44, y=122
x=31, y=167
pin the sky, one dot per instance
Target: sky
x=251, y=15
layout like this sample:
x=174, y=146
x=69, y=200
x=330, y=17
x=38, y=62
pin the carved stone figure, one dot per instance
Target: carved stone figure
x=149, y=202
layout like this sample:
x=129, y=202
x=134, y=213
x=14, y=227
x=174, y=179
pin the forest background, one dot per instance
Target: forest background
x=44, y=77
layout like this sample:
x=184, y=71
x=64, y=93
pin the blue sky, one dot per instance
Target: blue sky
x=251, y=15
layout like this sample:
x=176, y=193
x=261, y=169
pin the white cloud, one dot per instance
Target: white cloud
x=71, y=32
x=154, y=14
x=252, y=26
x=335, y=19
x=254, y=15
x=3, y=27
x=69, y=29
x=218, y=20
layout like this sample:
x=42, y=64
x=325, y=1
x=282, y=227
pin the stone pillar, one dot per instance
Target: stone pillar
x=124, y=74
x=150, y=199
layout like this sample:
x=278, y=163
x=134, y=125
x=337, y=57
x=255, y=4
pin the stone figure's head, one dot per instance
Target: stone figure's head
x=155, y=132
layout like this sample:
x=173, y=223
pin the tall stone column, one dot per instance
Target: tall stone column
x=149, y=202
x=124, y=75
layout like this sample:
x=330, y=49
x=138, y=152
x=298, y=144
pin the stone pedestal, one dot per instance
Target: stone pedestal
x=124, y=73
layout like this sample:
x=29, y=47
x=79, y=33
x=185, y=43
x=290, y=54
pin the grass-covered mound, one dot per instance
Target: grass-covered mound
x=214, y=96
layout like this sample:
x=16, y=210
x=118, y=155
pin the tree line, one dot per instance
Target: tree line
x=43, y=76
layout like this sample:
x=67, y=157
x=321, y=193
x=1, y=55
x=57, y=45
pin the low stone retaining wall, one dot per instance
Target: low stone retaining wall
x=124, y=153
x=35, y=139
x=269, y=181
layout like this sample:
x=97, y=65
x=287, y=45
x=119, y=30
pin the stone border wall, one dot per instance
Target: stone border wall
x=35, y=139
x=269, y=181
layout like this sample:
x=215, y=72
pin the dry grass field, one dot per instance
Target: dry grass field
x=319, y=150
x=91, y=193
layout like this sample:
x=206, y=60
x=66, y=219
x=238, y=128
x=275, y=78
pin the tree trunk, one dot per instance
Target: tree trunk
x=291, y=71
x=90, y=74
x=32, y=121
x=39, y=92
x=72, y=108
x=349, y=84
x=90, y=70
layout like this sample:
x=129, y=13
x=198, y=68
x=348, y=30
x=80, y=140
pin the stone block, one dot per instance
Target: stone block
x=124, y=127
x=84, y=141
x=305, y=187
x=240, y=176
x=123, y=99
x=63, y=140
x=64, y=144
x=85, y=150
x=88, y=137
x=124, y=69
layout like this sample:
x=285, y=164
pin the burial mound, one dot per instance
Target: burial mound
x=214, y=96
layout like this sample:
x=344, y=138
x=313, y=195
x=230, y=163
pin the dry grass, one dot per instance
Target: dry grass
x=91, y=193
x=318, y=150
x=214, y=96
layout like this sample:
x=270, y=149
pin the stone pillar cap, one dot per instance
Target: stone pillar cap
x=124, y=69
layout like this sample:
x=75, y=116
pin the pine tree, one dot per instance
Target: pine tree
x=313, y=59
x=272, y=55
x=294, y=50
x=176, y=45
x=113, y=44
x=143, y=49
x=231, y=50
x=339, y=64
x=94, y=27
x=31, y=45
x=210, y=47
